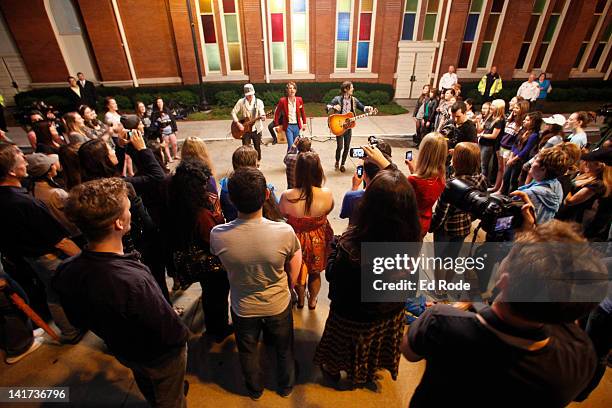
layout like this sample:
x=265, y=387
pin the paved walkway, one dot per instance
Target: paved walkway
x=96, y=378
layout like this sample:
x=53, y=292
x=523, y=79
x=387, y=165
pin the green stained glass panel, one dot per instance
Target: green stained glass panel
x=212, y=57
x=550, y=29
x=344, y=5
x=430, y=26
x=538, y=6
x=342, y=55
x=476, y=6
x=231, y=28
x=277, y=6
x=279, y=61
x=411, y=5
x=298, y=25
x=484, y=55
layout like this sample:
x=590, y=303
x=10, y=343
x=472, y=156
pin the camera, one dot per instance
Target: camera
x=357, y=153
x=497, y=213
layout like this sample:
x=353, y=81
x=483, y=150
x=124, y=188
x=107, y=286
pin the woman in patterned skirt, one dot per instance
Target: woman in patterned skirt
x=361, y=338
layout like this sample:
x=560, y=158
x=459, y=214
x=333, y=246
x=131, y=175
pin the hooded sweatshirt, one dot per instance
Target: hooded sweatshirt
x=547, y=196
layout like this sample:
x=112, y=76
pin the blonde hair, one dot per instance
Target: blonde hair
x=498, y=109
x=195, y=148
x=432, y=156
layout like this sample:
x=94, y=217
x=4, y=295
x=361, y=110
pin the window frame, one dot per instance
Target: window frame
x=222, y=14
x=533, y=42
x=370, y=41
x=477, y=36
x=307, y=38
x=553, y=41
x=349, y=61
x=493, y=49
x=270, y=42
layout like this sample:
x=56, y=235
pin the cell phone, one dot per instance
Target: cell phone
x=409, y=155
x=357, y=153
x=360, y=171
x=129, y=134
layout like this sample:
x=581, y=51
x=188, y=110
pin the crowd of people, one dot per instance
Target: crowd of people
x=96, y=215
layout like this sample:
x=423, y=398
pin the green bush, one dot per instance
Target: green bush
x=145, y=98
x=184, y=97
x=379, y=98
x=124, y=103
x=329, y=95
x=363, y=97
x=270, y=98
x=227, y=98
x=60, y=102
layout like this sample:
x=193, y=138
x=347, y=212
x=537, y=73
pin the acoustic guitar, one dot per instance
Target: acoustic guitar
x=338, y=123
x=248, y=125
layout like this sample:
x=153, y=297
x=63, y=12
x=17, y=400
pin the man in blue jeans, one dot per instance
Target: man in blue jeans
x=262, y=259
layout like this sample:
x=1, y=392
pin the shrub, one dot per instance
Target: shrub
x=185, y=97
x=145, y=98
x=379, y=98
x=124, y=103
x=329, y=95
x=363, y=97
x=270, y=98
x=226, y=98
x=59, y=102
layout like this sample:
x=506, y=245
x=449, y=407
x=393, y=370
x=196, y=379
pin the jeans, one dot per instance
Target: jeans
x=278, y=331
x=486, y=153
x=256, y=138
x=292, y=132
x=346, y=140
x=15, y=327
x=162, y=382
x=511, y=176
x=215, y=292
x=44, y=267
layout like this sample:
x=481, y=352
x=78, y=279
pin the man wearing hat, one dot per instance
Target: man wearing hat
x=247, y=108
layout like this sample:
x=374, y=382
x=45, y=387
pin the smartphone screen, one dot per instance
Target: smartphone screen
x=357, y=152
x=503, y=224
x=409, y=155
x=360, y=171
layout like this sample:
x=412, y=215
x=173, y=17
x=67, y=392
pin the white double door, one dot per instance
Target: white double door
x=414, y=68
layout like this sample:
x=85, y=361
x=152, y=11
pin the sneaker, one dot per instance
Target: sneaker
x=75, y=339
x=38, y=341
x=336, y=166
x=342, y=169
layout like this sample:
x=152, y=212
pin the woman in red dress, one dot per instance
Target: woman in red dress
x=306, y=208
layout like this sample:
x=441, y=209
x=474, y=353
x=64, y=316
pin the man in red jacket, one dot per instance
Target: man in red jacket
x=293, y=117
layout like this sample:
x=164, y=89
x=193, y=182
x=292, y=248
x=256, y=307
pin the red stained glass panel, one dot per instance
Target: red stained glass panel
x=365, y=24
x=278, y=34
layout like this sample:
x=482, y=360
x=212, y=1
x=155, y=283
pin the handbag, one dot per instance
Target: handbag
x=193, y=263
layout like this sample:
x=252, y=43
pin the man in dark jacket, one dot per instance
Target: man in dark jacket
x=118, y=299
x=88, y=91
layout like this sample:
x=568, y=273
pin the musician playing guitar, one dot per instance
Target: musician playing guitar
x=250, y=107
x=345, y=103
x=293, y=117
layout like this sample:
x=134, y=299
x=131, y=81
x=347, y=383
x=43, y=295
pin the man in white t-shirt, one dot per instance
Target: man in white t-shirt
x=262, y=259
x=448, y=79
x=529, y=90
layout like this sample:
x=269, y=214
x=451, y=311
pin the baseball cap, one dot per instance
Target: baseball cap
x=249, y=90
x=39, y=164
x=555, y=119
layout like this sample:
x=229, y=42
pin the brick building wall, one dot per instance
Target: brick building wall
x=161, y=46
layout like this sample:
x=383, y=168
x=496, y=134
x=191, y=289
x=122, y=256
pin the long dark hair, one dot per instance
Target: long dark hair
x=308, y=174
x=387, y=213
x=187, y=196
x=71, y=168
x=42, y=129
x=94, y=161
x=536, y=125
x=156, y=108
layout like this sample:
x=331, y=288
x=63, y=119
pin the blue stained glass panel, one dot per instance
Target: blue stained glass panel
x=363, y=52
x=299, y=6
x=408, y=29
x=344, y=25
x=470, y=28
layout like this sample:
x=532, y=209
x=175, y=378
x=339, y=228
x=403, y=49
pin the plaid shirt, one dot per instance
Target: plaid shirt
x=453, y=221
x=290, y=161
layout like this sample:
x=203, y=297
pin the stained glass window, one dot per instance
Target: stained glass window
x=299, y=36
x=489, y=33
x=471, y=27
x=431, y=16
x=213, y=36
x=366, y=32
x=277, y=28
x=409, y=20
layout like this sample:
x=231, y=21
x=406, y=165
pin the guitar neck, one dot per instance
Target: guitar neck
x=363, y=115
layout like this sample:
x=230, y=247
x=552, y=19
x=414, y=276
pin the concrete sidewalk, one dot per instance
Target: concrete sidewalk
x=398, y=126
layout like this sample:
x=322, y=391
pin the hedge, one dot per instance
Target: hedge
x=217, y=93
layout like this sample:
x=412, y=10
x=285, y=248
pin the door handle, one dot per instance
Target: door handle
x=412, y=78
